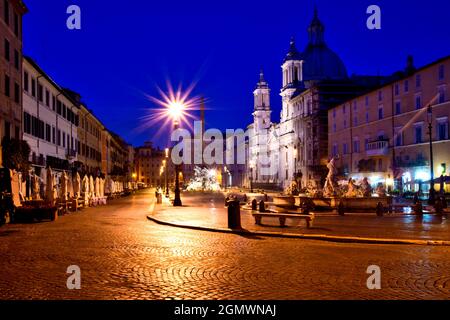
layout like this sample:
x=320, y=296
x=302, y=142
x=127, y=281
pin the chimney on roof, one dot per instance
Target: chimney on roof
x=410, y=68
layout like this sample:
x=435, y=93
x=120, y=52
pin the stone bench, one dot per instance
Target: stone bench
x=282, y=217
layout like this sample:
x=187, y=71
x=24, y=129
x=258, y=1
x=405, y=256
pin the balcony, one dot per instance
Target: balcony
x=377, y=148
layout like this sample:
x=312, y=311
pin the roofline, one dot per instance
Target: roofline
x=49, y=79
x=391, y=82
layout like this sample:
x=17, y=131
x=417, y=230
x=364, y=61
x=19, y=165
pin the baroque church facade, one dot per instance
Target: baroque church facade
x=296, y=148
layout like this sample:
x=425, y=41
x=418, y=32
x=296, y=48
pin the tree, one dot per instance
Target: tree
x=16, y=154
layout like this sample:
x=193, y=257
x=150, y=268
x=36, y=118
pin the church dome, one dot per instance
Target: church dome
x=320, y=62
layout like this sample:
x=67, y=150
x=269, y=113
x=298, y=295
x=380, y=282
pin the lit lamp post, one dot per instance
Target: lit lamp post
x=166, y=183
x=175, y=111
x=431, y=198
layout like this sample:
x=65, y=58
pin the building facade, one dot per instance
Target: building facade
x=384, y=134
x=11, y=12
x=148, y=161
x=50, y=119
x=296, y=148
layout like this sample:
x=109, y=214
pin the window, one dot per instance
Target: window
x=6, y=11
x=58, y=107
x=40, y=92
x=7, y=86
x=27, y=123
x=441, y=98
x=16, y=59
x=406, y=85
x=344, y=109
x=367, y=101
x=442, y=129
x=380, y=113
x=398, y=137
x=418, y=134
x=16, y=92
x=334, y=127
x=355, y=121
x=334, y=113
x=48, y=133
x=398, y=108
x=441, y=72
x=397, y=89
x=356, y=146
x=7, y=50
x=418, y=102
x=335, y=149
x=26, y=85
x=345, y=124
x=345, y=148
x=33, y=87
x=47, y=97
x=418, y=81
x=367, y=117
x=53, y=102
x=380, y=95
x=53, y=135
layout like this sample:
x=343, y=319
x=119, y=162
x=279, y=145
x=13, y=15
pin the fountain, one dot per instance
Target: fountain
x=336, y=195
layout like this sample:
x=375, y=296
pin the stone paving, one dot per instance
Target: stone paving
x=124, y=256
x=208, y=210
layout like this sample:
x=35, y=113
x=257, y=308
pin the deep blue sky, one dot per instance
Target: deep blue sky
x=126, y=48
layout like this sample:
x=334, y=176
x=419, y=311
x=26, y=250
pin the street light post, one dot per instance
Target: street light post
x=431, y=198
x=177, y=200
x=167, y=169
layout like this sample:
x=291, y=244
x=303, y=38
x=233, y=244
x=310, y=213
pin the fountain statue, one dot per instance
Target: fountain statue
x=366, y=189
x=380, y=190
x=292, y=190
x=352, y=191
x=330, y=188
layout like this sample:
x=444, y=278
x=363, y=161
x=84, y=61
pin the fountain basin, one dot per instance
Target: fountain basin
x=362, y=204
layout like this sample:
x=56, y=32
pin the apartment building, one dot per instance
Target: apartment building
x=50, y=119
x=11, y=13
x=384, y=134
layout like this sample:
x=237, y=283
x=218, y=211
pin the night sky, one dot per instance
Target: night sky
x=126, y=48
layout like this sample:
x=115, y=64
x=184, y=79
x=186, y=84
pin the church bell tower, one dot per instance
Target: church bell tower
x=262, y=110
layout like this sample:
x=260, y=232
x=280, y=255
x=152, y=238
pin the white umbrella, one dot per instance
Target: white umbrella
x=97, y=187
x=85, y=187
x=63, y=189
x=102, y=187
x=69, y=186
x=91, y=187
x=49, y=188
x=35, y=187
x=77, y=185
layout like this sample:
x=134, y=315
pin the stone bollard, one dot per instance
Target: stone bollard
x=380, y=209
x=262, y=206
x=234, y=214
x=254, y=205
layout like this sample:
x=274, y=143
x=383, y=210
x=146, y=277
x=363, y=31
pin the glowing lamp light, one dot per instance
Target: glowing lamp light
x=175, y=110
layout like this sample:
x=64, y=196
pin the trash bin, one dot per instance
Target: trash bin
x=234, y=214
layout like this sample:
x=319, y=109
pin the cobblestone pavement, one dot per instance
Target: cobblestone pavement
x=207, y=210
x=124, y=256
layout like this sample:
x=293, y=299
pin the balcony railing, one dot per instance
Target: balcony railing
x=377, y=148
